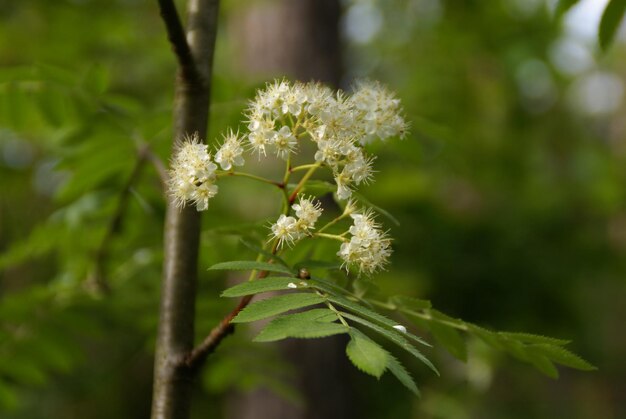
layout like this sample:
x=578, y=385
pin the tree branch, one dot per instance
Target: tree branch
x=97, y=277
x=196, y=358
x=194, y=51
x=176, y=36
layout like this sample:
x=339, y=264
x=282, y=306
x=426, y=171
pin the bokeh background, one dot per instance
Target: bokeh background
x=510, y=193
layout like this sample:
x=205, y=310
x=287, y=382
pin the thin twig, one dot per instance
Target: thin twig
x=176, y=36
x=97, y=276
x=198, y=355
x=158, y=166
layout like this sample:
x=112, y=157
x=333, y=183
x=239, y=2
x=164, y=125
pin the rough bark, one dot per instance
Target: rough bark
x=173, y=378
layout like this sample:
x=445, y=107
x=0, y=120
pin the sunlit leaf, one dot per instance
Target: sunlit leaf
x=264, y=285
x=610, y=22
x=249, y=265
x=276, y=305
x=366, y=355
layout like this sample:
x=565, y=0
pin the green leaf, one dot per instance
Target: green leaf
x=249, y=265
x=450, y=338
x=317, y=187
x=326, y=286
x=276, y=305
x=490, y=338
x=376, y=208
x=398, y=370
x=366, y=354
x=543, y=364
x=264, y=252
x=264, y=285
x=371, y=315
x=530, y=338
x=562, y=356
x=410, y=303
x=395, y=336
x=316, y=323
x=318, y=264
x=610, y=22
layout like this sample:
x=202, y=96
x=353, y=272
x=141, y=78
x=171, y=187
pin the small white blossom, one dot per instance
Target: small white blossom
x=286, y=230
x=369, y=247
x=293, y=100
x=192, y=177
x=380, y=113
x=359, y=169
x=202, y=194
x=343, y=181
x=230, y=153
x=307, y=212
x=329, y=151
x=284, y=142
x=261, y=132
x=292, y=285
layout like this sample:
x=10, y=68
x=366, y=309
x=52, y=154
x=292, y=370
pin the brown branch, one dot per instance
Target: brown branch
x=176, y=36
x=196, y=358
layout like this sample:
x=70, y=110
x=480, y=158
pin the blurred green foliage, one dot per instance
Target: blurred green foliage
x=510, y=194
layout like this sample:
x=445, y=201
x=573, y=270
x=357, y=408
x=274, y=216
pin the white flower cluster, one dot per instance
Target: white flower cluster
x=192, y=177
x=290, y=229
x=338, y=123
x=369, y=247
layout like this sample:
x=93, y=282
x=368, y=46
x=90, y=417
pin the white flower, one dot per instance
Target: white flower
x=307, y=212
x=369, y=247
x=284, y=142
x=230, y=153
x=292, y=285
x=380, y=113
x=293, y=100
x=343, y=182
x=286, y=230
x=261, y=132
x=202, y=194
x=192, y=176
x=328, y=151
x=359, y=169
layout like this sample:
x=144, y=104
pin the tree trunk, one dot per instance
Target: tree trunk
x=173, y=380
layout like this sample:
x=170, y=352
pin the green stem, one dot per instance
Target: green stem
x=422, y=315
x=304, y=167
x=332, y=222
x=330, y=236
x=333, y=309
x=300, y=184
x=249, y=176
